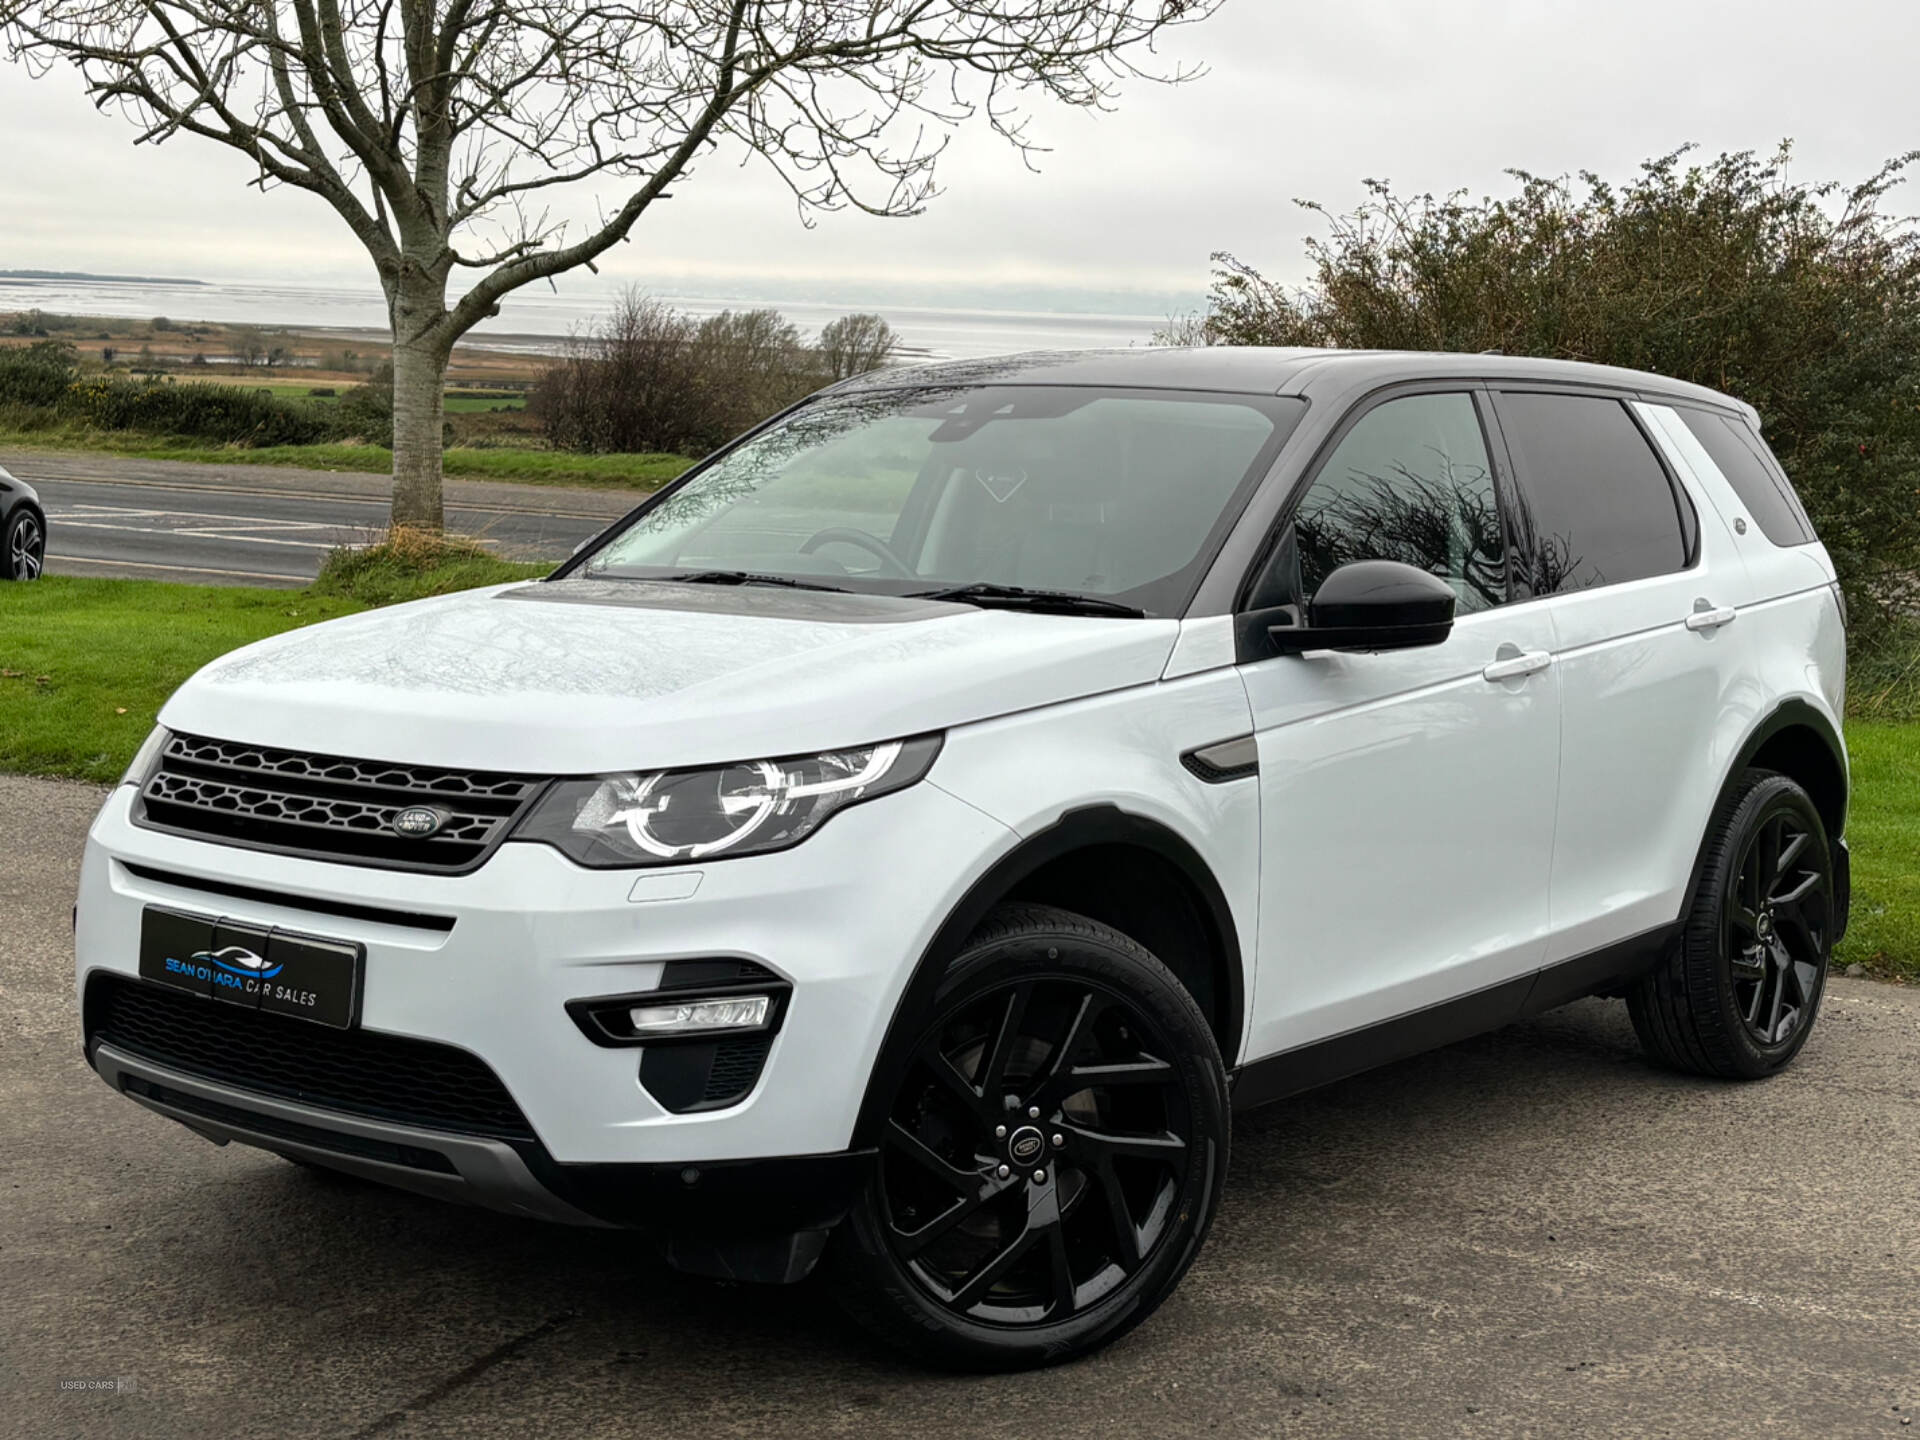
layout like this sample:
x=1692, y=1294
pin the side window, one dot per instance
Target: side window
x=1410, y=482
x=1733, y=448
x=1603, y=508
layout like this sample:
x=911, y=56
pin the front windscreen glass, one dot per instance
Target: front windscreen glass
x=1117, y=495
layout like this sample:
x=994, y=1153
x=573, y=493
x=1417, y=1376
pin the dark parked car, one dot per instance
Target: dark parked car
x=23, y=530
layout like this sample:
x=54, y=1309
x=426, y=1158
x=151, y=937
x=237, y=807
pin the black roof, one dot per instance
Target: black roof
x=1262, y=371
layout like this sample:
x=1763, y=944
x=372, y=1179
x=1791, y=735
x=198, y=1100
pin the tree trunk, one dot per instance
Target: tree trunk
x=419, y=405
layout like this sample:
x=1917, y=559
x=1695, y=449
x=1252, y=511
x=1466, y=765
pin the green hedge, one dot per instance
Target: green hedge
x=36, y=376
x=206, y=412
x=1800, y=297
x=46, y=377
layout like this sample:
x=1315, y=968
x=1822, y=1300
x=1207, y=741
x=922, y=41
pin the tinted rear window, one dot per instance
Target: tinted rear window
x=1603, y=508
x=1735, y=451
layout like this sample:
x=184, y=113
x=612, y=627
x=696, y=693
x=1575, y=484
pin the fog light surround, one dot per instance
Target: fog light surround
x=716, y=1015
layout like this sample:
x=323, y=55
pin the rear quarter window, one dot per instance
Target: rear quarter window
x=1738, y=453
x=1603, y=508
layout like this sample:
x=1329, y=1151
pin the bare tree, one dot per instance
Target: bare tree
x=632, y=382
x=248, y=346
x=443, y=131
x=855, y=344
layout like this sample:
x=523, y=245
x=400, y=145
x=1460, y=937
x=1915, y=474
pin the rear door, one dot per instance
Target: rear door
x=1642, y=605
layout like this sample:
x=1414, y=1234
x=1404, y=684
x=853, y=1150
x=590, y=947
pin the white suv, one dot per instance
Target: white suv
x=905, y=839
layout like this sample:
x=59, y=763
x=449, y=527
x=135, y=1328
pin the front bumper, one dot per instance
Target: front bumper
x=842, y=918
x=696, y=1209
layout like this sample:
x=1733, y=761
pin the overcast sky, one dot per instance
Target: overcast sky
x=1303, y=99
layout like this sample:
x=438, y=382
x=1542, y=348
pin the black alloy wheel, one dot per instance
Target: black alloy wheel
x=1738, y=993
x=25, y=548
x=1037, y=1154
x=1052, y=1153
x=1777, y=927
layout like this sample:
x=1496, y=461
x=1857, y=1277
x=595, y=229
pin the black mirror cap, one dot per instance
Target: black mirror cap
x=1382, y=594
x=1373, y=605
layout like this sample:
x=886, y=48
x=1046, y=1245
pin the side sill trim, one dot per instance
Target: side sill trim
x=1309, y=1066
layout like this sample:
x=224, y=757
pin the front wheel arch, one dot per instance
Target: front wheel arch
x=1088, y=829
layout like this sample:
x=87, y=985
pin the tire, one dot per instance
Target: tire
x=1051, y=1233
x=1737, y=995
x=23, y=546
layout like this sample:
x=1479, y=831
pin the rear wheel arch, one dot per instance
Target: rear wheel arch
x=1112, y=866
x=1809, y=753
x=1798, y=741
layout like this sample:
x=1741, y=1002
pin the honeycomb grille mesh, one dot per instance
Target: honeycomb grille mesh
x=736, y=1066
x=294, y=765
x=361, y=1072
x=331, y=806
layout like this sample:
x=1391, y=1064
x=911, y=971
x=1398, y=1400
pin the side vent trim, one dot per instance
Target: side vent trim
x=1224, y=760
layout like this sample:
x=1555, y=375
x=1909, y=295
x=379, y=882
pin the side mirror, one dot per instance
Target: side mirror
x=1372, y=605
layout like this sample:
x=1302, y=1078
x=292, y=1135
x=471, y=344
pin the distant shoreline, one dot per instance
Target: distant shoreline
x=88, y=278
x=542, y=322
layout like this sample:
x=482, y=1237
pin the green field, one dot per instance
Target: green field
x=460, y=401
x=88, y=663
x=505, y=463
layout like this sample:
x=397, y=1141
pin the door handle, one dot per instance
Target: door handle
x=1517, y=667
x=1711, y=617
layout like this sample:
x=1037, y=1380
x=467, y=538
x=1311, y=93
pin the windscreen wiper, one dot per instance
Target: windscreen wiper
x=747, y=577
x=1017, y=597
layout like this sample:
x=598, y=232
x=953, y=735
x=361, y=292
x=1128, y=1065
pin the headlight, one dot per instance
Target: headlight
x=673, y=817
x=144, y=757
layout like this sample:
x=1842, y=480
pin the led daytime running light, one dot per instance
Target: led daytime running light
x=699, y=1017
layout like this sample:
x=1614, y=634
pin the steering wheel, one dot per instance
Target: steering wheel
x=892, y=564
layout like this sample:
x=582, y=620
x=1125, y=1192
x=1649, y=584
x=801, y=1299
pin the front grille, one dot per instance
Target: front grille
x=736, y=1065
x=361, y=1072
x=330, y=807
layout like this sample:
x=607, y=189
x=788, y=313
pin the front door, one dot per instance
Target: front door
x=1408, y=797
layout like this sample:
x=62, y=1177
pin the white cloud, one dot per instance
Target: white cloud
x=1303, y=101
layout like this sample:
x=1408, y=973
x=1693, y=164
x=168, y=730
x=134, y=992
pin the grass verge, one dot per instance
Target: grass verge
x=1883, y=832
x=506, y=463
x=1883, y=672
x=88, y=663
x=410, y=565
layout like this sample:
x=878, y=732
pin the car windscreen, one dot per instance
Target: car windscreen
x=1123, y=495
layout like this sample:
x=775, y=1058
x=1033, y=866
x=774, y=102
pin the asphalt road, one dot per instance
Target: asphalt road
x=1529, y=1234
x=266, y=525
